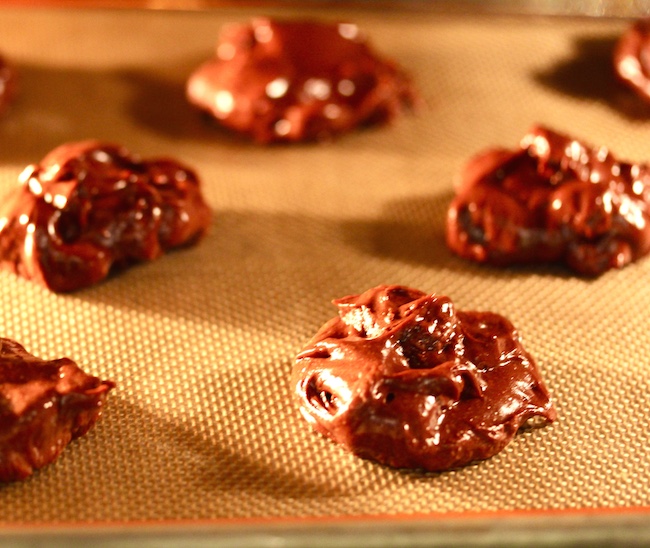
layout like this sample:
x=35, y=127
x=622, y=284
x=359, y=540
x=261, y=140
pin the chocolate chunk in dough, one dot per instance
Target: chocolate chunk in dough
x=8, y=84
x=298, y=80
x=553, y=199
x=88, y=208
x=43, y=406
x=631, y=58
x=403, y=378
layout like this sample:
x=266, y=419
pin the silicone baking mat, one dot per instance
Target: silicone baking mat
x=201, y=429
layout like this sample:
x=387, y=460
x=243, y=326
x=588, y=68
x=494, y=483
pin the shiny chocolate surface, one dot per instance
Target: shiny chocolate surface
x=44, y=404
x=552, y=199
x=89, y=208
x=286, y=81
x=403, y=378
x=631, y=58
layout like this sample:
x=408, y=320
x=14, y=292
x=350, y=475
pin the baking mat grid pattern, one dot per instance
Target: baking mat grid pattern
x=201, y=341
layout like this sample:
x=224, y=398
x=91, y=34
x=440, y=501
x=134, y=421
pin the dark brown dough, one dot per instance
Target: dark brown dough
x=403, y=378
x=552, y=199
x=632, y=58
x=89, y=208
x=43, y=406
x=298, y=80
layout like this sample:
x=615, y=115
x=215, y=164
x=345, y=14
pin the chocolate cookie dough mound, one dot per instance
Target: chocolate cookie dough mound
x=8, y=84
x=403, y=378
x=631, y=58
x=89, y=208
x=43, y=406
x=553, y=199
x=286, y=81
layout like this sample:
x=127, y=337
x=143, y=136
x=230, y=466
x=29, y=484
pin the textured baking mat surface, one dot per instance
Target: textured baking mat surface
x=201, y=342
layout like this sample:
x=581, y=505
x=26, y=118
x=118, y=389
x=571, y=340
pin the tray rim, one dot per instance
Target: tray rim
x=601, y=526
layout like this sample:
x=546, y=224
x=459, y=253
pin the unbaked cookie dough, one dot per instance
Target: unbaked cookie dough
x=298, y=80
x=403, y=378
x=552, y=199
x=89, y=208
x=44, y=404
x=631, y=58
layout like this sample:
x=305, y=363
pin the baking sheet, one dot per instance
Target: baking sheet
x=201, y=432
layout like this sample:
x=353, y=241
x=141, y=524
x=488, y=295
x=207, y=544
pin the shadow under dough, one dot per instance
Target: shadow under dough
x=54, y=105
x=412, y=230
x=62, y=104
x=158, y=103
x=408, y=229
x=589, y=74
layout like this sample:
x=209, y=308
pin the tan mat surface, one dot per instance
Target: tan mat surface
x=201, y=342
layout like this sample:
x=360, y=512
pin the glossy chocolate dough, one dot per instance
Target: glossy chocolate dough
x=89, y=207
x=554, y=199
x=631, y=58
x=298, y=81
x=8, y=84
x=43, y=406
x=403, y=378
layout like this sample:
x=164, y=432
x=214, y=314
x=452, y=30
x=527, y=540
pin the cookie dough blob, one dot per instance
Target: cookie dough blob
x=552, y=199
x=631, y=58
x=403, y=378
x=44, y=405
x=298, y=80
x=89, y=208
